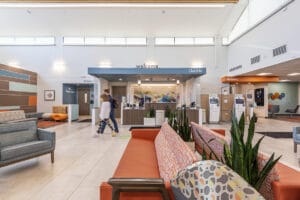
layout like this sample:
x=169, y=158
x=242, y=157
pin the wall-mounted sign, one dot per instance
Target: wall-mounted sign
x=195, y=70
x=235, y=68
x=147, y=66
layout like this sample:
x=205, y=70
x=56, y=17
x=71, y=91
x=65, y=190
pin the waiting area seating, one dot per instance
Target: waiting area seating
x=272, y=110
x=13, y=116
x=292, y=111
x=282, y=183
x=152, y=164
x=296, y=137
x=59, y=113
x=23, y=140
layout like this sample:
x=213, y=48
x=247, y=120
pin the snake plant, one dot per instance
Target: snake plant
x=242, y=156
x=180, y=123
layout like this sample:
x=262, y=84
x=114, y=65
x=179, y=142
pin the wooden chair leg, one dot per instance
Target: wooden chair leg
x=52, y=157
x=295, y=147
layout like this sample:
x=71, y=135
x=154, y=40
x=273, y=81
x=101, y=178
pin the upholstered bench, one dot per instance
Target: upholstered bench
x=14, y=116
x=155, y=154
x=282, y=183
x=23, y=140
x=155, y=157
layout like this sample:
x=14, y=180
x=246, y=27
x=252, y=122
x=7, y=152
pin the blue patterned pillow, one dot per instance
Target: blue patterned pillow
x=211, y=180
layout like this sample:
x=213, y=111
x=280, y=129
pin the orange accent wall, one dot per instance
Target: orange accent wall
x=249, y=79
x=32, y=100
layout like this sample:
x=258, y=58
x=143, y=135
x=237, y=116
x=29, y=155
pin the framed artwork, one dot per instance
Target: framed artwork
x=49, y=95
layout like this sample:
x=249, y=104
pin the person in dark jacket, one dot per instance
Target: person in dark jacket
x=112, y=113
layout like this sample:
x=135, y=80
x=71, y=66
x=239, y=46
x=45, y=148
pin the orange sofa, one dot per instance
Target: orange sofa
x=283, y=182
x=140, y=160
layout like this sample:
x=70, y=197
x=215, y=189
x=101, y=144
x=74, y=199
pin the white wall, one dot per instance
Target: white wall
x=282, y=28
x=77, y=59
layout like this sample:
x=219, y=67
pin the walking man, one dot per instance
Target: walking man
x=112, y=113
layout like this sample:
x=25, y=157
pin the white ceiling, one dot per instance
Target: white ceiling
x=281, y=70
x=148, y=22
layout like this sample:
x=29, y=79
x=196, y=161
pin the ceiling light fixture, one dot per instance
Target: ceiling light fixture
x=177, y=82
x=264, y=74
x=120, y=79
x=284, y=80
x=111, y=5
x=294, y=74
x=139, y=82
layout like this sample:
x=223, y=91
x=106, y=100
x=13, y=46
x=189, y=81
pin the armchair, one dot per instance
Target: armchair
x=296, y=137
x=272, y=110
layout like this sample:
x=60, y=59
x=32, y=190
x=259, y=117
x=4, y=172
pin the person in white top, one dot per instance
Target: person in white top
x=104, y=115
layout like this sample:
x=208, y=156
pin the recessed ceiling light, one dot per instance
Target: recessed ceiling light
x=111, y=5
x=173, y=79
x=264, y=74
x=120, y=79
x=294, y=74
x=285, y=80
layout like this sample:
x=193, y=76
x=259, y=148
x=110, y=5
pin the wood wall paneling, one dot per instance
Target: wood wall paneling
x=12, y=78
x=13, y=100
x=4, y=85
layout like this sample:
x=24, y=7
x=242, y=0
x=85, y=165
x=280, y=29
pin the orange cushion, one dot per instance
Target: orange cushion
x=59, y=116
x=138, y=160
x=219, y=131
x=288, y=187
x=148, y=134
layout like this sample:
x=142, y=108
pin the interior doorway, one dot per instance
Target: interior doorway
x=118, y=92
x=81, y=94
x=84, y=100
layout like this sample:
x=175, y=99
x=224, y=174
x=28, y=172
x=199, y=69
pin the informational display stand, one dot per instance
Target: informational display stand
x=214, y=108
x=159, y=117
x=239, y=105
x=95, y=115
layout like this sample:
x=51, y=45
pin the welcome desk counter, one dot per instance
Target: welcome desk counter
x=136, y=116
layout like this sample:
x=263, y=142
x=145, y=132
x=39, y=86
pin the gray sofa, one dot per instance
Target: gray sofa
x=23, y=140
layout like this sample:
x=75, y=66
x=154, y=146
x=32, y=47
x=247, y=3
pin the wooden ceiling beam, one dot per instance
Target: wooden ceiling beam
x=118, y=1
x=249, y=79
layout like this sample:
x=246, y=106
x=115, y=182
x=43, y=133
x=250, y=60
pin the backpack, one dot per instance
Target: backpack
x=114, y=104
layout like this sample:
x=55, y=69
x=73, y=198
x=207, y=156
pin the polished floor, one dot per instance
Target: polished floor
x=82, y=162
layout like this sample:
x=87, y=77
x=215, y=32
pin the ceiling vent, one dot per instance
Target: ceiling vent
x=255, y=59
x=235, y=68
x=279, y=50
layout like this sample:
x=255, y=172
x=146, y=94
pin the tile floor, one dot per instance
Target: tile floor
x=82, y=162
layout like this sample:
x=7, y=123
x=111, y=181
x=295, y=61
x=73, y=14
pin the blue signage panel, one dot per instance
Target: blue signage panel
x=96, y=71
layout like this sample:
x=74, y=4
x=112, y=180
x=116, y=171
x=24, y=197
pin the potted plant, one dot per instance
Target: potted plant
x=180, y=123
x=149, y=120
x=241, y=156
x=168, y=113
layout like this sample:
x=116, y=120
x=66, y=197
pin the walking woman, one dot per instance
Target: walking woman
x=104, y=115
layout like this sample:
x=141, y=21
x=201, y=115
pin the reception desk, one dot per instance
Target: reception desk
x=132, y=116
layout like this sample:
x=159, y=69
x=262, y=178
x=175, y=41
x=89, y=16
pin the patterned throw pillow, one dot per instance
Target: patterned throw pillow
x=211, y=180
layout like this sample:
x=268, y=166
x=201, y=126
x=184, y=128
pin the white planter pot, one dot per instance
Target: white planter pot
x=149, y=121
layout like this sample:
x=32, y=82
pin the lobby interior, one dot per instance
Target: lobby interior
x=57, y=58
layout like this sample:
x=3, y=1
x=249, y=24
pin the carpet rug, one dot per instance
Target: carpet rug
x=277, y=134
x=47, y=124
x=85, y=120
x=288, y=119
